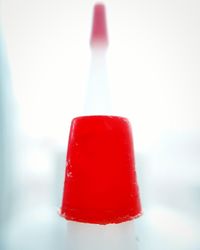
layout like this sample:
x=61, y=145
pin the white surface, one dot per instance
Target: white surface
x=87, y=236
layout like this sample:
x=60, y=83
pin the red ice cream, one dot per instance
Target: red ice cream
x=100, y=183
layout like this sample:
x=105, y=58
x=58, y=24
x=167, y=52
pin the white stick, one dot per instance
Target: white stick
x=97, y=92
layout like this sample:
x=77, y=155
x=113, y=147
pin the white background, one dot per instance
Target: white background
x=154, y=75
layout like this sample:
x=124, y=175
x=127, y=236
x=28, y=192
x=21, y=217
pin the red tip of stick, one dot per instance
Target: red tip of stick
x=99, y=35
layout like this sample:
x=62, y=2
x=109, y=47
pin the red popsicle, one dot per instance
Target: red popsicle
x=100, y=182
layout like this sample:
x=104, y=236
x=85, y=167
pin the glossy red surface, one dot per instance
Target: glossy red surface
x=100, y=183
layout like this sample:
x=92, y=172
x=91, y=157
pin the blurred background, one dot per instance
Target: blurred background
x=154, y=75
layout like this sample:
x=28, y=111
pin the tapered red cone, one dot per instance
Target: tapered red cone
x=100, y=183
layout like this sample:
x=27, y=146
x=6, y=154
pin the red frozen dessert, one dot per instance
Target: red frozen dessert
x=100, y=183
